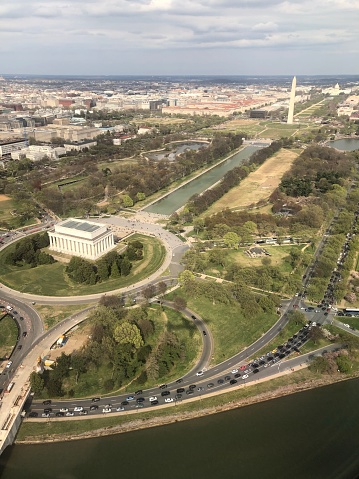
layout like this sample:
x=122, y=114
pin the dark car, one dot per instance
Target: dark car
x=192, y=386
x=255, y=371
x=237, y=375
x=137, y=393
x=179, y=380
x=193, y=317
x=227, y=378
x=33, y=414
x=220, y=381
x=124, y=403
x=19, y=347
x=21, y=318
x=165, y=393
x=45, y=403
x=163, y=386
x=153, y=403
x=204, y=333
x=233, y=381
x=95, y=399
x=190, y=391
x=48, y=410
x=139, y=400
x=180, y=390
x=60, y=414
x=24, y=334
x=94, y=407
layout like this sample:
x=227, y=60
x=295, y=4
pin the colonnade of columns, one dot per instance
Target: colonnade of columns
x=82, y=248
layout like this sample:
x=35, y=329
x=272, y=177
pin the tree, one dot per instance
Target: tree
x=231, y=239
x=126, y=266
x=316, y=334
x=78, y=363
x=186, y=277
x=115, y=272
x=140, y=196
x=179, y=303
x=127, y=201
x=149, y=292
x=128, y=333
x=37, y=383
x=297, y=317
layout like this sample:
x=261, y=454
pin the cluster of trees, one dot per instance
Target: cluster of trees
x=28, y=251
x=199, y=203
x=251, y=304
x=119, y=349
x=112, y=265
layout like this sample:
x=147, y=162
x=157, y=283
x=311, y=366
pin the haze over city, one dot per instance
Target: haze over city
x=164, y=37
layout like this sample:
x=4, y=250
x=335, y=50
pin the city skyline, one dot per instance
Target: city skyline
x=163, y=37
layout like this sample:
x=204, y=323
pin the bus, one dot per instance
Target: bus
x=10, y=386
x=353, y=311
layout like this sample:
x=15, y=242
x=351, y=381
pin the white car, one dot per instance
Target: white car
x=106, y=410
x=234, y=371
x=199, y=373
x=346, y=325
x=9, y=364
x=169, y=400
x=120, y=408
x=64, y=409
x=245, y=376
x=70, y=414
x=45, y=414
x=78, y=409
x=152, y=398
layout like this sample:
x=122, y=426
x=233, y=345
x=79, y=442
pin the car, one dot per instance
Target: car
x=344, y=324
x=48, y=410
x=169, y=400
x=180, y=390
x=179, y=380
x=234, y=371
x=69, y=414
x=46, y=402
x=200, y=388
x=139, y=400
x=9, y=364
x=153, y=403
x=124, y=403
x=245, y=376
x=152, y=398
x=165, y=393
x=24, y=334
x=227, y=378
x=139, y=405
x=163, y=386
x=137, y=393
x=94, y=407
x=95, y=399
x=84, y=412
x=193, y=317
x=21, y=318
x=242, y=368
x=19, y=347
x=220, y=381
x=192, y=386
x=78, y=408
x=44, y=414
x=64, y=409
x=190, y=391
x=60, y=414
x=120, y=408
x=130, y=398
x=107, y=406
x=210, y=385
x=233, y=381
x=204, y=333
x=255, y=371
x=106, y=410
x=33, y=414
x=15, y=312
x=237, y=375
x=199, y=373
x=247, y=371
x=178, y=396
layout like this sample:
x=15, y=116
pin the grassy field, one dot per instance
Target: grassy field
x=8, y=335
x=7, y=205
x=231, y=331
x=277, y=255
x=51, y=280
x=258, y=185
x=161, y=121
x=51, y=315
x=40, y=431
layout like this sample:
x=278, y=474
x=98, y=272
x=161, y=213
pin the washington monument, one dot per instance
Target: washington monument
x=291, y=102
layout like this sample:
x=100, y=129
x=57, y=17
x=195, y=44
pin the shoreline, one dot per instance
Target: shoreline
x=139, y=424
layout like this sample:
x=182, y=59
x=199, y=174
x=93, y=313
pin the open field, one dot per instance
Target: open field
x=165, y=120
x=258, y=185
x=51, y=280
x=52, y=315
x=277, y=256
x=8, y=335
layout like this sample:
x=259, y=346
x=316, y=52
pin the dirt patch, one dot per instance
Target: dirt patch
x=258, y=185
x=4, y=198
x=75, y=341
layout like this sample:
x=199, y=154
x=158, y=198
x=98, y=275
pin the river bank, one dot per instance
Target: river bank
x=298, y=382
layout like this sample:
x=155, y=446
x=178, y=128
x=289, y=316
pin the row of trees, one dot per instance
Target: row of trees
x=112, y=265
x=28, y=251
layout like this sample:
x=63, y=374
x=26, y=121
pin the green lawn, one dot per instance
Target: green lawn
x=13, y=221
x=51, y=315
x=231, y=331
x=51, y=280
x=8, y=335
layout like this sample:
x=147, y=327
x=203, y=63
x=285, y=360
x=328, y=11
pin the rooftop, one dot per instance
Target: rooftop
x=81, y=225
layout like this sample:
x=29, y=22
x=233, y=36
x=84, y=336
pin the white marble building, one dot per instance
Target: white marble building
x=81, y=238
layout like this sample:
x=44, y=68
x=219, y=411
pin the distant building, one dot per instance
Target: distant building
x=258, y=114
x=7, y=147
x=81, y=238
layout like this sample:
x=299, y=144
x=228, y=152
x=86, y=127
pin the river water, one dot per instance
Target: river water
x=345, y=144
x=309, y=435
x=173, y=201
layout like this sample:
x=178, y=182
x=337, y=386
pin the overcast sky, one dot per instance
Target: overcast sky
x=155, y=37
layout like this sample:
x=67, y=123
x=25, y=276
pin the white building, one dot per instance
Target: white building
x=81, y=238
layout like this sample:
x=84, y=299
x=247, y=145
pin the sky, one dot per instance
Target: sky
x=179, y=37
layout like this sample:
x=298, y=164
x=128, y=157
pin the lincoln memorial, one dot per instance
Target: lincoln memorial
x=81, y=238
